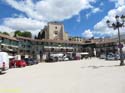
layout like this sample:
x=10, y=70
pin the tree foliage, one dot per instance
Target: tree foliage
x=35, y=37
x=17, y=33
x=24, y=34
x=5, y=33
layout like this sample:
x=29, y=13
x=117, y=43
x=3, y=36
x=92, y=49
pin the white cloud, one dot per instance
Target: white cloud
x=87, y=33
x=78, y=18
x=101, y=4
x=42, y=11
x=24, y=24
x=101, y=27
x=5, y=28
x=51, y=10
x=118, y=2
x=87, y=15
x=93, y=11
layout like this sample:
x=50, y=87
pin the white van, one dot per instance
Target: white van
x=4, y=61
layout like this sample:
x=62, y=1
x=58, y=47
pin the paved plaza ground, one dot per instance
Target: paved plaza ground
x=82, y=76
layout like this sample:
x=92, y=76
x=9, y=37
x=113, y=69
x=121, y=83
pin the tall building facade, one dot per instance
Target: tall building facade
x=53, y=38
x=53, y=31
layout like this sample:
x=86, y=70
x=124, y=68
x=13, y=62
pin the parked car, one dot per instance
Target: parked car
x=83, y=55
x=4, y=62
x=60, y=58
x=30, y=61
x=102, y=56
x=54, y=57
x=111, y=56
x=12, y=63
x=71, y=55
x=20, y=63
x=117, y=56
x=123, y=56
x=35, y=61
x=65, y=58
x=78, y=56
x=17, y=63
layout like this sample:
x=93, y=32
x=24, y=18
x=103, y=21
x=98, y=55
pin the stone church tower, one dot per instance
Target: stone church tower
x=53, y=31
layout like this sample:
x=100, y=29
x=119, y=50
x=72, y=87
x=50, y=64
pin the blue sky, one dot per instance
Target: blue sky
x=88, y=22
x=83, y=18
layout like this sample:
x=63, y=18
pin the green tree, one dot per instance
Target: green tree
x=5, y=33
x=26, y=34
x=35, y=37
x=18, y=32
x=39, y=35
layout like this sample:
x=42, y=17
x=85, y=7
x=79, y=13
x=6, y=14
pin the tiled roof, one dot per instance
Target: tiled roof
x=62, y=41
x=25, y=38
x=104, y=41
x=96, y=41
x=55, y=41
x=8, y=37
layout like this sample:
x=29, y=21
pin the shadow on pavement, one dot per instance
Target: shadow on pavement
x=2, y=73
x=96, y=67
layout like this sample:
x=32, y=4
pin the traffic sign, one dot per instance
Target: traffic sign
x=120, y=46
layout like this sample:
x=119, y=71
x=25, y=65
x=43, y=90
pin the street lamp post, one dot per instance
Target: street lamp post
x=0, y=44
x=117, y=25
x=19, y=46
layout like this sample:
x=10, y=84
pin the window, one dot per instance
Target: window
x=29, y=46
x=56, y=27
x=56, y=32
